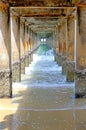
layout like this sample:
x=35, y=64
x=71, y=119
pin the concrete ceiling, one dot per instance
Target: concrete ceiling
x=43, y=19
x=49, y=3
x=42, y=15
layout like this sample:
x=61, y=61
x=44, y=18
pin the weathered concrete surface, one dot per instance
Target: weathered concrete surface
x=5, y=83
x=70, y=71
x=81, y=40
x=23, y=65
x=80, y=83
x=59, y=59
x=64, y=64
x=4, y=38
x=16, y=72
x=80, y=78
x=56, y=57
x=15, y=41
x=5, y=73
x=42, y=3
x=27, y=60
x=22, y=37
x=71, y=38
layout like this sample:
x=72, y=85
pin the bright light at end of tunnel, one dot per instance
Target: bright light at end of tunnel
x=44, y=39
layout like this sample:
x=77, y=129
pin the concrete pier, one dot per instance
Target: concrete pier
x=15, y=43
x=5, y=52
x=80, y=73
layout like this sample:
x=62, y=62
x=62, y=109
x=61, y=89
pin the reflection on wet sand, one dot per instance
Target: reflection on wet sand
x=43, y=120
x=43, y=109
x=48, y=104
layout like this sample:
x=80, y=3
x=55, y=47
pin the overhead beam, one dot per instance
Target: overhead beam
x=41, y=15
x=43, y=7
x=53, y=12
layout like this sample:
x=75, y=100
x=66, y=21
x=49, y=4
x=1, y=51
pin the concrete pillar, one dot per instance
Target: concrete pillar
x=64, y=46
x=31, y=46
x=22, y=49
x=38, y=39
x=5, y=59
x=54, y=43
x=15, y=43
x=60, y=45
x=28, y=39
x=50, y=40
x=26, y=44
x=80, y=75
x=70, y=50
x=34, y=41
x=57, y=44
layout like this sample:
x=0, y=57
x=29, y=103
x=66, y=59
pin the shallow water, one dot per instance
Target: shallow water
x=43, y=100
x=43, y=71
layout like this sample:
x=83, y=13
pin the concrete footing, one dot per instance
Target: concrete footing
x=59, y=59
x=70, y=71
x=16, y=72
x=23, y=65
x=27, y=60
x=5, y=83
x=64, y=63
x=56, y=58
x=80, y=83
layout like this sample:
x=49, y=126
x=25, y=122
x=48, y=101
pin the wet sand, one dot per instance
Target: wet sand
x=43, y=120
x=43, y=109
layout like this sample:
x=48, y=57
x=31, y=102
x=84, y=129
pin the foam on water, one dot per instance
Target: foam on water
x=44, y=72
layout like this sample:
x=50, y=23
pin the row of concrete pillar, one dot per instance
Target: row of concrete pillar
x=70, y=49
x=17, y=41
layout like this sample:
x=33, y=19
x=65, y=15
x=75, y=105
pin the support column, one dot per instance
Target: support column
x=60, y=45
x=80, y=75
x=22, y=49
x=49, y=41
x=26, y=45
x=15, y=43
x=70, y=69
x=64, y=46
x=35, y=40
x=35, y=43
x=5, y=60
x=31, y=45
x=55, y=43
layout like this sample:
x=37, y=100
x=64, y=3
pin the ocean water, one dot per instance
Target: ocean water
x=45, y=72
